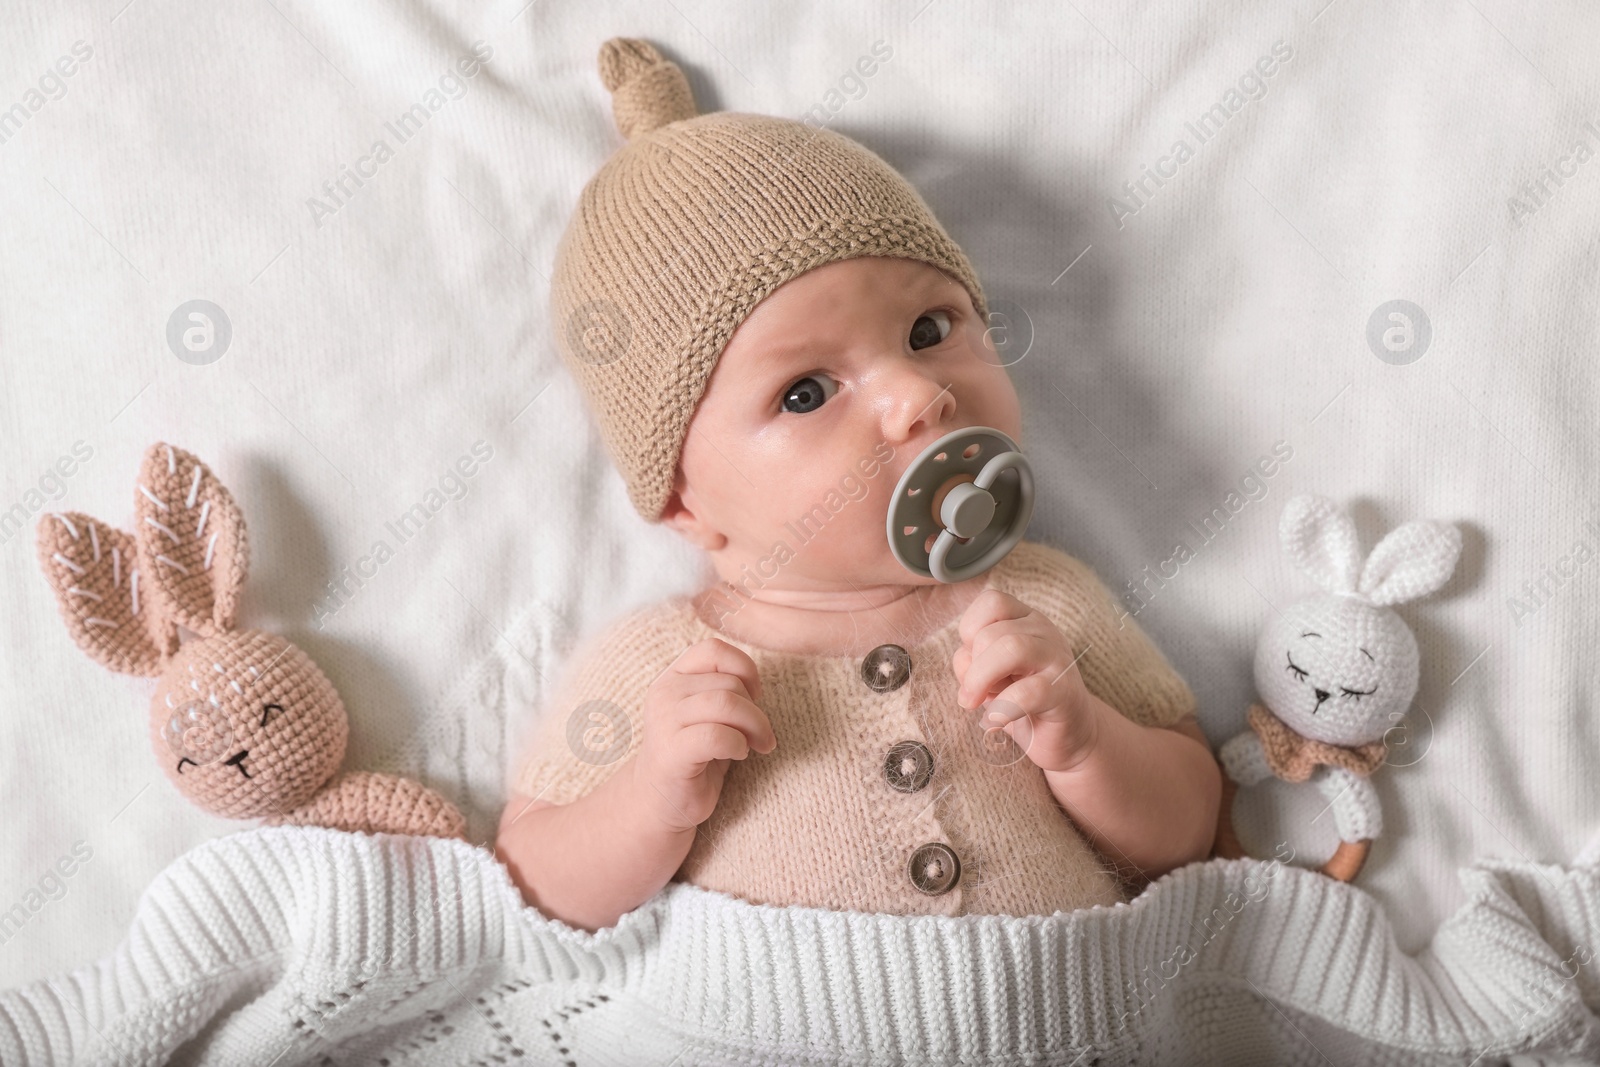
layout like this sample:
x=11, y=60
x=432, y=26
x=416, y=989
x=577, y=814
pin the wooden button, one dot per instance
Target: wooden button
x=908, y=766
x=934, y=868
x=886, y=668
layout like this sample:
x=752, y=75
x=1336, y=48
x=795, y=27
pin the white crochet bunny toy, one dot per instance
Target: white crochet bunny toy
x=243, y=722
x=1336, y=671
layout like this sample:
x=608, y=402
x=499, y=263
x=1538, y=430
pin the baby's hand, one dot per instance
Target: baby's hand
x=1013, y=654
x=699, y=714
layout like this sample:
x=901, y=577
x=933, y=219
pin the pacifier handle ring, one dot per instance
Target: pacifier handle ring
x=1005, y=461
x=947, y=540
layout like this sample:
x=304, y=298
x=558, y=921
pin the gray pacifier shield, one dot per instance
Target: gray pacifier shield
x=985, y=507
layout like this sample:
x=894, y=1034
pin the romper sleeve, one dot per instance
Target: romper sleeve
x=592, y=721
x=1120, y=664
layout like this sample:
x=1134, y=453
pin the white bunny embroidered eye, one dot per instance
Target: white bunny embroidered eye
x=1324, y=690
x=1299, y=672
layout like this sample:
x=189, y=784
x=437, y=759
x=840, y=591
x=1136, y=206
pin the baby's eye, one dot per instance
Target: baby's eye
x=809, y=393
x=930, y=328
x=1357, y=694
x=267, y=711
x=1298, y=672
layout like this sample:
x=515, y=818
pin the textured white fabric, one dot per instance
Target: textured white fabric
x=298, y=945
x=370, y=351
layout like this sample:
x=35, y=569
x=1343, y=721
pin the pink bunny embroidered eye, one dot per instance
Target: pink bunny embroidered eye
x=267, y=711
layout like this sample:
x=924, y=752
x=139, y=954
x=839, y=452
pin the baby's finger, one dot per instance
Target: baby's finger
x=1029, y=695
x=730, y=709
x=1014, y=654
x=992, y=606
x=714, y=655
x=1031, y=623
x=683, y=686
x=700, y=743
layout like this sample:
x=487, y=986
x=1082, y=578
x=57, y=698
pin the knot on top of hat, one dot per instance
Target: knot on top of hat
x=647, y=89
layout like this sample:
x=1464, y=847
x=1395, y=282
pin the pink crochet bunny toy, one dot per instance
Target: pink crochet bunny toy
x=243, y=722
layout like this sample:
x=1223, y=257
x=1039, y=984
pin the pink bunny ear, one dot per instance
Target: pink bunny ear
x=1411, y=562
x=1321, y=540
x=95, y=572
x=192, y=542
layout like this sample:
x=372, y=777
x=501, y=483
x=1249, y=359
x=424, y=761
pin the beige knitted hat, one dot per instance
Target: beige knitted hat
x=693, y=222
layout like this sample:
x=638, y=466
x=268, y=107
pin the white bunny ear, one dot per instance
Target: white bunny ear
x=1411, y=562
x=1321, y=540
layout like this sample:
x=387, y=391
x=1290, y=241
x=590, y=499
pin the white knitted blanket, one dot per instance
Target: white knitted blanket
x=299, y=945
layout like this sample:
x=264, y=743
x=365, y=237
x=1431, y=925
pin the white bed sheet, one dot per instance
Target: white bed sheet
x=377, y=336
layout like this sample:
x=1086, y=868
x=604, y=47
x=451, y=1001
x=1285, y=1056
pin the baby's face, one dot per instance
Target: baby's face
x=821, y=399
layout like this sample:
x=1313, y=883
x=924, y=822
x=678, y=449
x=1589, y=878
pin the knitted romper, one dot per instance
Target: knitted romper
x=883, y=794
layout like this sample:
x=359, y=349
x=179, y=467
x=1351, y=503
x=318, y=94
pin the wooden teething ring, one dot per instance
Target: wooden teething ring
x=1342, y=866
x=1346, y=861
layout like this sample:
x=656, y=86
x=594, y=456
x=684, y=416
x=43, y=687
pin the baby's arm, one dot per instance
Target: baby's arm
x=1144, y=794
x=1148, y=795
x=588, y=862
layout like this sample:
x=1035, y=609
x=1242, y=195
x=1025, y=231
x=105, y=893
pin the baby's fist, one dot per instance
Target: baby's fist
x=1013, y=659
x=699, y=714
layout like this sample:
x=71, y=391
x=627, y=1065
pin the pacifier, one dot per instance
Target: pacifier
x=962, y=505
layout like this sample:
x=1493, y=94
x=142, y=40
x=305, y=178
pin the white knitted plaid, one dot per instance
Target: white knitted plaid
x=299, y=945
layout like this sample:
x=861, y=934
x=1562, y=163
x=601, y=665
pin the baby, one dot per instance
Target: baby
x=771, y=325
